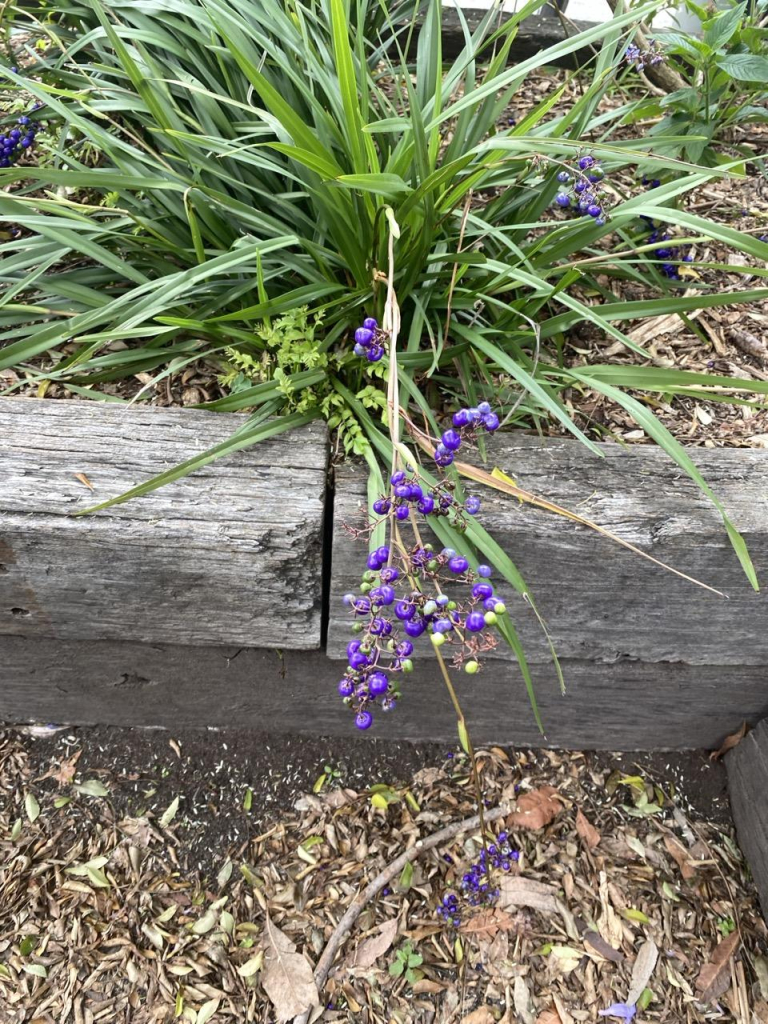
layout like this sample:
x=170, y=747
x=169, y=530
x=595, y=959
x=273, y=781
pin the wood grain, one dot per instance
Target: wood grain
x=601, y=602
x=747, y=766
x=626, y=706
x=230, y=554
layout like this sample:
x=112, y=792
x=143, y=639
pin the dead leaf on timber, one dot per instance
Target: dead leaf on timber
x=536, y=809
x=287, y=977
x=587, y=830
x=729, y=742
x=715, y=976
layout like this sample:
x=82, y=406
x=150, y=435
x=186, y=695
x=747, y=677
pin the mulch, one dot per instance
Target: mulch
x=623, y=888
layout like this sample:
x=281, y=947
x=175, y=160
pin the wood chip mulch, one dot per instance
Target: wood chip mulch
x=622, y=893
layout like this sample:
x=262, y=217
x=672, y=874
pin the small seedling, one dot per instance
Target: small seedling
x=726, y=925
x=406, y=963
x=329, y=776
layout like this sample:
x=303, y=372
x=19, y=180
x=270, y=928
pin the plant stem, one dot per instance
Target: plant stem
x=465, y=735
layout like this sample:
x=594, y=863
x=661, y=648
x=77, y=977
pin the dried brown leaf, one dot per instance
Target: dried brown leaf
x=487, y=923
x=680, y=856
x=287, y=977
x=536, y=809
x=368, y=952
x=550, y=1016
x=729, y=742
x=642, y=970
x=482, y=1015
x=587, y=830
x=425, y=986
x=84, y=480
x=715, y=976
x=599, y=945
x=525, y=892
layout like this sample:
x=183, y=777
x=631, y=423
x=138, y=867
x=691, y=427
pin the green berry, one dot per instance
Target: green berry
x=357, y=627
x=429, y=547
x=365, y=587
x=471, y=667
x=451, y=606
x=430, y=608
x=407, y=665
x=432, y=564
x=491, y=618
x=369, y=576
x=438, y=639
x=390, y=645
x=500, y=608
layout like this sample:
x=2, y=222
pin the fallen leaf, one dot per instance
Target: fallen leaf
x=587, y=830
x=92, y=787
x=207, y=1010
x=32, y=807
x=84, y=480
x=605, y=949
x=521, y=997
x=169, y=813
x=550, y=1016
x=715, y=976
x=487, y=923
x=368, y=952
x=525, y=892
x=680, y=856
x=729, y=742
x=425, y=986
x=66, y=772
x=287, y=977
x=482, y=1015
x=642, y=969
x=536, y=809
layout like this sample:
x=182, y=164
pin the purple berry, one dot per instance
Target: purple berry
x=458, y=564
x=563, y=176
x=402, y=512
x=491, y=421
x=461, y=418
x=345, y=688
x=414, y=627
x=443, y=626
x=563, y=199
x=382, y=553
x=426, y=504
x=484, y=571
x=405, y=610
x=378, y=684
x=363, y=336
x=482, y=590
x=381, y=506
x=472, y=505
x=364, y=720
x=373, y=561
x=370, y=323
x=475, y=622
x=389, y=574
x=375, y=353
x=585, y=162
x=594, y=210
x=579, y=186
x=451, y=440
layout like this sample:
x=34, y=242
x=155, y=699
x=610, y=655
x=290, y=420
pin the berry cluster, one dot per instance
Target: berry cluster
x=409, y=495
x=668, y=253
x=465, y=422
x=14, y=144
x=369, y=340
x=477, y=888
x=642, y=58
x=584, y=184
x=650, y=182
x=393, y=600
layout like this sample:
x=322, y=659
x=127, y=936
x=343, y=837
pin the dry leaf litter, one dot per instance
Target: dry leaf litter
x=623, y=894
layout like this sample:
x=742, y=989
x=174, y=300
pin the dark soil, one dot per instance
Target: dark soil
x=212, y=771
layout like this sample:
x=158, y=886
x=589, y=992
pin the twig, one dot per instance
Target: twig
x=353, y=911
